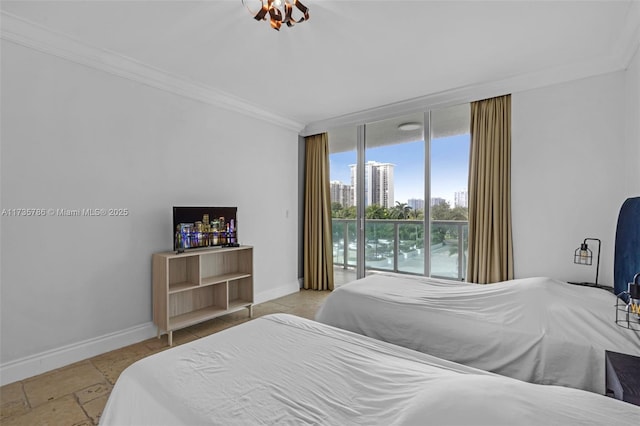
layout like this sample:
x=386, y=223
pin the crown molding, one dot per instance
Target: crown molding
x=34, y=36
x=28, y=34
x=468, y=93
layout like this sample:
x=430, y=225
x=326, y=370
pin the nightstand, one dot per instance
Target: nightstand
x=622, y=375
x=604, y=287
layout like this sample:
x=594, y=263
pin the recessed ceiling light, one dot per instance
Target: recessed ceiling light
x=407, y=127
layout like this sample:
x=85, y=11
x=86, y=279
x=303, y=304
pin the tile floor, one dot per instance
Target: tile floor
x=75, y=395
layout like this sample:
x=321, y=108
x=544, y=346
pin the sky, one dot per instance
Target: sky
x=449, y=167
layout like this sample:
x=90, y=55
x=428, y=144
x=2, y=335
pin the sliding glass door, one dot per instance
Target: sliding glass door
x=343, y=144
x=449, y=175
x=399, y=195
x=394, y=171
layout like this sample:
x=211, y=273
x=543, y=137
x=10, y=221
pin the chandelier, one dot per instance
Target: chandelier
x=280, y=12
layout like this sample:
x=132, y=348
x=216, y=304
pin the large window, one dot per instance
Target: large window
x=343, y=144
x=394, y=173
x=391, y=180
x=449, y=176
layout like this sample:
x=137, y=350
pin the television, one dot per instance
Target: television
x=202, y=227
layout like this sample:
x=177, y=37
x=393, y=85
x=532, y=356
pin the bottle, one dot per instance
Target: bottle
x=177, y=245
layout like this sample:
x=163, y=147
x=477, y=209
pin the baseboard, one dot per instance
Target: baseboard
x=33, y=365
x=274, y=293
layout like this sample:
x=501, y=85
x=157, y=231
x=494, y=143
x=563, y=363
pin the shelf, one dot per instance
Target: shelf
x=194, y=317
x=201, y=285
x=169, y=255
x=183, y=272
x=183, y=286
x=217, y=279
x=237, y=304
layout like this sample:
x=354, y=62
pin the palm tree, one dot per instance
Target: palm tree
x=401, y=211
x=375, y=211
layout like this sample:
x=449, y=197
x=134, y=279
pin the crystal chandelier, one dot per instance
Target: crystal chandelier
x=280, y=12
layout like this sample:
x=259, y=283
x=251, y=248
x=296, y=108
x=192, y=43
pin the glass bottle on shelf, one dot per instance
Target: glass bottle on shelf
x=178, y=243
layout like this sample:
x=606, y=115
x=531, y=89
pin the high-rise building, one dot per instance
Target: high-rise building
x=341, y=193
x=416, y=203
x=436, y=201
x=378, y=183
x=461, y=198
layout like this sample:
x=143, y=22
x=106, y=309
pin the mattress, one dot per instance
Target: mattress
x=282, y=369
x=537, y=329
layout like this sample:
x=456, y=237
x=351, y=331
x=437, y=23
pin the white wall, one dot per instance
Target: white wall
x=569, y=173
x=75, y=137
x=632, y=92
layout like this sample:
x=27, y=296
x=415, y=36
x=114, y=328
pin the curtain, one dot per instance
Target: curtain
x=490, y=243
x=318, y=260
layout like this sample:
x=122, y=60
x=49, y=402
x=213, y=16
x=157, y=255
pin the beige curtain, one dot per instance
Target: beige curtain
x=490, y=243
x=318, y=261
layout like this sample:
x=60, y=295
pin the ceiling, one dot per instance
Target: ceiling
x=351, y=55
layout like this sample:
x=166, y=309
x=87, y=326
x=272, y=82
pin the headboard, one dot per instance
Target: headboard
x=627, y=250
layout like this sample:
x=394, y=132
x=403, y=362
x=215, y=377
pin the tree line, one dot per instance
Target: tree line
x=401, y=211
x=412, y=237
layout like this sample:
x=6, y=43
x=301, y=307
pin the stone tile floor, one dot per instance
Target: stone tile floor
x=75, y=395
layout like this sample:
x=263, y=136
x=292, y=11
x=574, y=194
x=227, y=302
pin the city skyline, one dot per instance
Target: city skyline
x=449, y=167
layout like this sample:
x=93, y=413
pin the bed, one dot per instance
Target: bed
x=538, y=329
x=283, y=369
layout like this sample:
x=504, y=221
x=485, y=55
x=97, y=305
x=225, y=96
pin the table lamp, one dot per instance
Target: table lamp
x=584, y=256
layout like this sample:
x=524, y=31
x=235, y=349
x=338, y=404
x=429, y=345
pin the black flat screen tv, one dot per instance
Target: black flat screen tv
x=202, y=227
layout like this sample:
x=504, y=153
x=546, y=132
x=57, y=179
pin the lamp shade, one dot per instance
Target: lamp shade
x=584, y=256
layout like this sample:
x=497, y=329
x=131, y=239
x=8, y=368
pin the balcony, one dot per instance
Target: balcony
x=398, y=246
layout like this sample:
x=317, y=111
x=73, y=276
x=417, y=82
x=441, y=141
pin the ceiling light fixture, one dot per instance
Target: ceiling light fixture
x=279, y=11
x=407, y=127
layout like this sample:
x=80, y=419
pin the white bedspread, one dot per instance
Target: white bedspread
x=281, y=369
x=537, y=329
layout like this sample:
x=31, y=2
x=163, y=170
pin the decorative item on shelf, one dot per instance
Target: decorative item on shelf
x=279, y=11
x=179, y=242
x=584, y=256
x=628, y=305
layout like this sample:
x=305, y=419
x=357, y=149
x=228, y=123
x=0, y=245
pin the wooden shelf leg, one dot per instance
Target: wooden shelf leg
x=250, y=308
x=170, y=337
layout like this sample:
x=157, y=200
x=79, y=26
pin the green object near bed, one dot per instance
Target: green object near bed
x=627, y=249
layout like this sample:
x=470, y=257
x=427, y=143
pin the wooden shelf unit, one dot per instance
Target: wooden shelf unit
x=200, y=285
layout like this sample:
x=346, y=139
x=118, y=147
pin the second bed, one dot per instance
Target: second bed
x=538, y=330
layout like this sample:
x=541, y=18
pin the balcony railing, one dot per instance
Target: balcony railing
x=398, y=246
